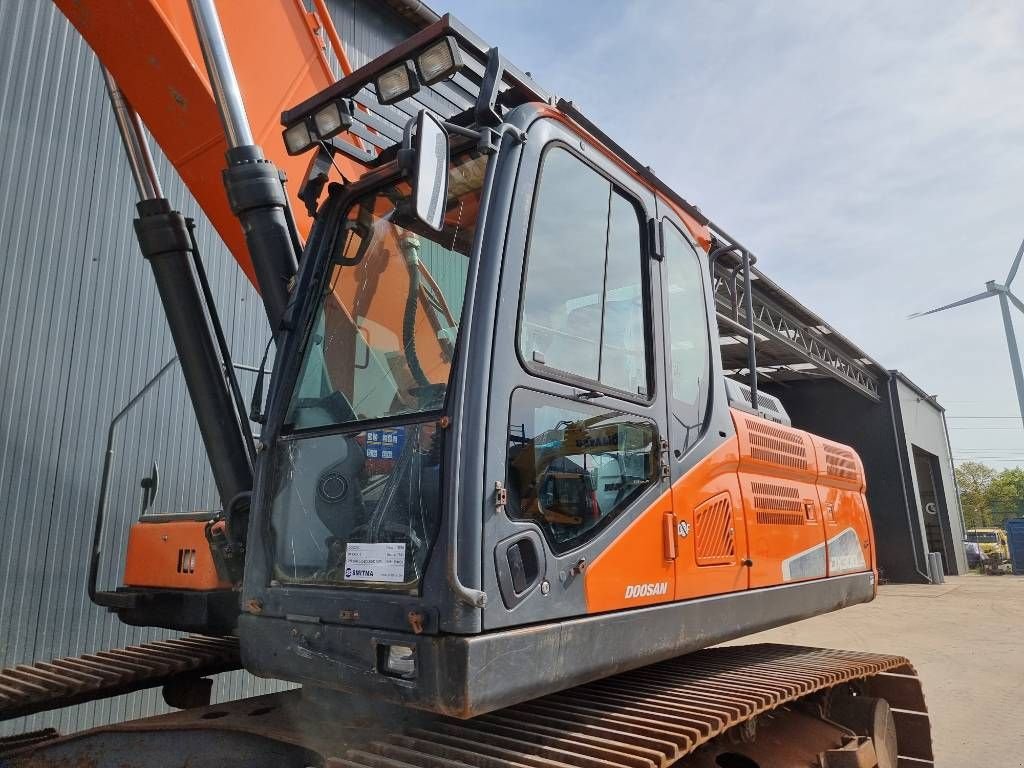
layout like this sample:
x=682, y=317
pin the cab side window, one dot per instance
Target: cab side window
x=583, y=299
x=574, y=467
x=687, y=334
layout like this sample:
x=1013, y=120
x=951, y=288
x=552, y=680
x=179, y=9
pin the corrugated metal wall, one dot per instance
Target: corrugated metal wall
x=81, y=331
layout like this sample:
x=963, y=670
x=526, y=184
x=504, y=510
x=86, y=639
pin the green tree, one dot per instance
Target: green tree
x=975, y=481
x=989, y=498
x=1006, y=496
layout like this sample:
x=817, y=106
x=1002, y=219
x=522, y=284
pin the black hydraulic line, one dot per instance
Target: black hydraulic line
x=411, y=248
x=167, y=246
x=222, y=343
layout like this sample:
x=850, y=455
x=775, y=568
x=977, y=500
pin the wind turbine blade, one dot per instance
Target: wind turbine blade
x=1011, y=344
x=968, y=300
x=1015, y=265
x=1017, y=302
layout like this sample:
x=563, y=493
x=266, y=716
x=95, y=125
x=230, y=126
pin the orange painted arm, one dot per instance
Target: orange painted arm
x=151, y=49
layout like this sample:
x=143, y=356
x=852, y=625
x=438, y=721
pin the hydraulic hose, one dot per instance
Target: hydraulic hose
x=411, y=250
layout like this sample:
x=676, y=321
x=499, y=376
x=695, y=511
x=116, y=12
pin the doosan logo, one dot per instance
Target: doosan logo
x=646, y=590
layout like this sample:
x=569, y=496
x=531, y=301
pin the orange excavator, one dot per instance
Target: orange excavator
x=503, y=502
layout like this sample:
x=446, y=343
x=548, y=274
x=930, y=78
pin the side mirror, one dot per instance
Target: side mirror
x=430, y=172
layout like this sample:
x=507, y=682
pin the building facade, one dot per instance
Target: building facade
x=82, y=332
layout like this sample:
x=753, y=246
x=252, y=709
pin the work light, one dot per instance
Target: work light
x=440, y=61
x=398, y=660
x=331, y=120
x=397, y=83
x=297, y=138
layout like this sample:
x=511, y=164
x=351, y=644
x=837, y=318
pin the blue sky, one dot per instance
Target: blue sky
x=870, y=153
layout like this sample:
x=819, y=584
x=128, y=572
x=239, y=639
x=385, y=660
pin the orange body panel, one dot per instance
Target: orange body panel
x=173, y=555
x=841, y=486
x=635, y=569
x=708, y=501
x=150, y=48
x=769, y=506
x=777, y=473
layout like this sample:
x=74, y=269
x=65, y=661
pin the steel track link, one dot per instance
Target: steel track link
x=650, y=717
x=30, y=688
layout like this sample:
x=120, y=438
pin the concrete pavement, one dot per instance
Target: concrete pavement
x=966, y=640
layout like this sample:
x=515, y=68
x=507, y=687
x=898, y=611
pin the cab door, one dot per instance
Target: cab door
x=576, y=429
x=711, y=540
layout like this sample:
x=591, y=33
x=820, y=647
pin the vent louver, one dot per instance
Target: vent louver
x=778, y=504
x=186, y=561
x=839, y=462
x=776, y=445
x=714, y=539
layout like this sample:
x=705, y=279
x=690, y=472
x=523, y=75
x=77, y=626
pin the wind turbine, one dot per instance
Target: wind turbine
x=1006, y=297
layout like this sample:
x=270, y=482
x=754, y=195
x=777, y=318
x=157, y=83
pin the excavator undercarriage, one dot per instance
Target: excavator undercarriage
x=752, y=706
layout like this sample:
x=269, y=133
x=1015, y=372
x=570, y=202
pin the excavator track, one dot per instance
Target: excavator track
x=654, y=716
x=30, y=688
x=665, y=714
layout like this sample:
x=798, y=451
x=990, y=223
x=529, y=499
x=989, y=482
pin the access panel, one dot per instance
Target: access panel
x=777, y=475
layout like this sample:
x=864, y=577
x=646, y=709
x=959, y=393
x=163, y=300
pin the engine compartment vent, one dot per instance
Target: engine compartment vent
x=714, y=536
x=778, y=504
x=186, y=561
x=776, y=445
x=768, y=406
x=840, y=462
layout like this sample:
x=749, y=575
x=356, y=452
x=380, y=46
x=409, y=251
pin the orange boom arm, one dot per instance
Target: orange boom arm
x=150, y=48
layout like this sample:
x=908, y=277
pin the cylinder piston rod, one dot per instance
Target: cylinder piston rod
x=222, y=75
x=136, y=148
x=254, y=185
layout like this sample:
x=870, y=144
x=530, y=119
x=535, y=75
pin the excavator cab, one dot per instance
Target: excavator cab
x=499, y=457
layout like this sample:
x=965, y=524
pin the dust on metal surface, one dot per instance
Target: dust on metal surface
x=647, y=718
x=30, y=688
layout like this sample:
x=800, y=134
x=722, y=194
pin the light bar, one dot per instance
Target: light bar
x=397, y=83
x=440, y=61
x=327, y=122
x=331, y=120
x=297, y=138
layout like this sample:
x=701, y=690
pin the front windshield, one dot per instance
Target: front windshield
x=982, y=537
x=384, y=335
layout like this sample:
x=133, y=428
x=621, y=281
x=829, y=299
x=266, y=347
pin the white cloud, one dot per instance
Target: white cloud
x=871, y=153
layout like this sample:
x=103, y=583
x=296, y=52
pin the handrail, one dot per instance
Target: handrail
x=111, y=599
x=97, y=533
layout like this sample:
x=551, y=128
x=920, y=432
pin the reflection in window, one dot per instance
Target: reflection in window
x=687, y=333
x=384, y=335
x=573, y=467
x=583, y=299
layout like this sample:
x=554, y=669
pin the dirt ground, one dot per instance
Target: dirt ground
x=966, y=640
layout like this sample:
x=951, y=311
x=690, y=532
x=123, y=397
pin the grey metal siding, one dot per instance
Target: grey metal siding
x=81, y=331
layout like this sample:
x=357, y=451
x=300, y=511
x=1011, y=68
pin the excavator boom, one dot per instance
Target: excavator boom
x=151, y=50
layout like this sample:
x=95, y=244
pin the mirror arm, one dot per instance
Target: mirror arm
x=406, y=155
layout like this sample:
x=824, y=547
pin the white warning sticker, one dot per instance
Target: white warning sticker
x=375, y=562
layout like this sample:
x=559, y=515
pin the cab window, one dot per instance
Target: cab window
x=583, y=299
x=574, y=467
x=689, y=355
